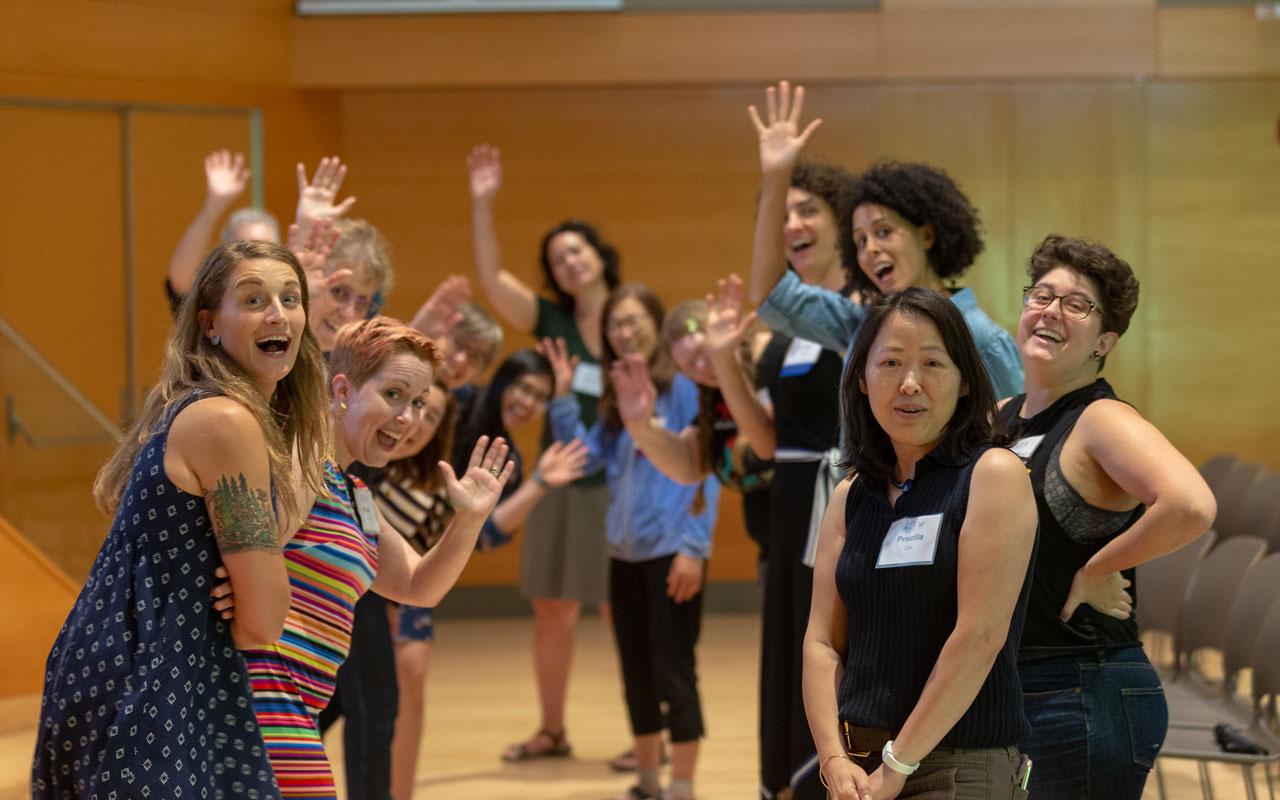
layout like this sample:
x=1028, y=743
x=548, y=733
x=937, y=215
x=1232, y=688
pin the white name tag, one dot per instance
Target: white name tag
x=588, y=379
x=910, y=542
x=802, y=354
x=1026, y=446
x=766, y=399
x=368, y=511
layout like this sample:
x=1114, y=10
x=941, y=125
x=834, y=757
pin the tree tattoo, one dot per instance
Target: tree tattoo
x=241, y=517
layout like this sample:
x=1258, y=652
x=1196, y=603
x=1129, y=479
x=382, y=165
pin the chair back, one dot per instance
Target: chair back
x=1161, y=583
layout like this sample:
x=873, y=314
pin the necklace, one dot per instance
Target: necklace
x=903, y=487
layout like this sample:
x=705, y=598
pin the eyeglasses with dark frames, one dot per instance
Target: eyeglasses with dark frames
x=1073, y=305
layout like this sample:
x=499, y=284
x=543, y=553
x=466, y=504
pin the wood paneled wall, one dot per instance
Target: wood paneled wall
x=1179, y=178
x=61, y=260
x=917, y=40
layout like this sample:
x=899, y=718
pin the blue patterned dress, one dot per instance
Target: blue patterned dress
x=145, y=695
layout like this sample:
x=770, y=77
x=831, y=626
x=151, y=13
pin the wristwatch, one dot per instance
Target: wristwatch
x=891, y=761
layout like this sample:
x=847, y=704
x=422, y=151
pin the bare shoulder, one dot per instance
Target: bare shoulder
x=999, y=466
x=215, y=420
x=1105, y=414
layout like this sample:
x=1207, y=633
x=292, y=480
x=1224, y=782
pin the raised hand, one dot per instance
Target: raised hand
x=1105, y=594
x=225, y=176
x=316, y=197
x=480, y=487
x=484, y=164
x=312, y=247
x=637, y=396
x=562, y=364
x=727, y=326
x=781, y=138
x=443, y=309
x=562, y=462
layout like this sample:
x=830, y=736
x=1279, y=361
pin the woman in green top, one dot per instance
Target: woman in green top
x=563, y=562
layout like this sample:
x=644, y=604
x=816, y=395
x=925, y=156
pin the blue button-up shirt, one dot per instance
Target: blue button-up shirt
x=832, y=320
x=649, y=514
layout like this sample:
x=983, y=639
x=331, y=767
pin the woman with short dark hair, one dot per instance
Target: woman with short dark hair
x=1112, y=493
x=910, y=674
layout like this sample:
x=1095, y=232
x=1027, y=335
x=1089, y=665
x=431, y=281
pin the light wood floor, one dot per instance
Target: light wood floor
x=480, y=697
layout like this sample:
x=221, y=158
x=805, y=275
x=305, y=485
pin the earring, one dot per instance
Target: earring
x=215, y=339
x=1096, y=355
x=342, y=406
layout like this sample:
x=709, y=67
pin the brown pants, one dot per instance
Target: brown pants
x=968, y=775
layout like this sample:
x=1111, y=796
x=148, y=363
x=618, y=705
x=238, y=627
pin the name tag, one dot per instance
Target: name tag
x=368, y=511
x=588, y=379
x=1026, y=446
x=802, y=354
x=766, y=399
x=910, y=542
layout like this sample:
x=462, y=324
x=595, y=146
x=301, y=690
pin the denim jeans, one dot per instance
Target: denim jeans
x=1097, y=722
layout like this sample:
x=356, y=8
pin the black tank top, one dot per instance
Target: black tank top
x=1060, y=554
x=805, y=393
x=901, y=616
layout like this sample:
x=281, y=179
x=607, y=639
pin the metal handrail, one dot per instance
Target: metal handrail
x=61, y=381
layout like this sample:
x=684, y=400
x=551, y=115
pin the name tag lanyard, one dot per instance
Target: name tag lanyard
x=362, y=498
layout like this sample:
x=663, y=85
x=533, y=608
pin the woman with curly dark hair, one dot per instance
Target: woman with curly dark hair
x=908, y=225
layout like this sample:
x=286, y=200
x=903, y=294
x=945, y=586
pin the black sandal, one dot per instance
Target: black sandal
x=522, y=752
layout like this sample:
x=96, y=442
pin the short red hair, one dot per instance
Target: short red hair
x=362, y=347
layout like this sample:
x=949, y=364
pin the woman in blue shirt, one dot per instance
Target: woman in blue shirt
x=909, y=224
x=659, y=537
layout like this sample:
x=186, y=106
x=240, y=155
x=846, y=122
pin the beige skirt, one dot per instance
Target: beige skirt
x=563, y=554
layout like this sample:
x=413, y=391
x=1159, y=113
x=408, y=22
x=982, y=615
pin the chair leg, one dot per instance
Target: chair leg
x=1206, y=785
x=1250, y=791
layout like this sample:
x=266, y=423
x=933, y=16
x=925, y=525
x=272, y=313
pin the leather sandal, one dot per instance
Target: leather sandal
x=626, y=761
x=522, y=751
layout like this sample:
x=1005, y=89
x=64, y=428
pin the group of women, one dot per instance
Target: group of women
x=948, y=517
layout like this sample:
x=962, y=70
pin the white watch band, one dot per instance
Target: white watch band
x=890, y=761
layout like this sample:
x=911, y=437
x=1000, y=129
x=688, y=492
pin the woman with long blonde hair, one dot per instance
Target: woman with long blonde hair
x=145, y=688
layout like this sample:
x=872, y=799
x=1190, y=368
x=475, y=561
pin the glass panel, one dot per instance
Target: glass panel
x=54, y=442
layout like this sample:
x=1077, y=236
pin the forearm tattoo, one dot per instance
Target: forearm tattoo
x=241, y=517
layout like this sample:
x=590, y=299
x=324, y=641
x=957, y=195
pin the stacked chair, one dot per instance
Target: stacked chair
x=1219, y=595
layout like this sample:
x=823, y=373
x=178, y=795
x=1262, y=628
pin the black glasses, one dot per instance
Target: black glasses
x=1073, y=305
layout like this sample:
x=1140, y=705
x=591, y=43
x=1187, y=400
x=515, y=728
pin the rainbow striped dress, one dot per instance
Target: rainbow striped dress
x=331, y=562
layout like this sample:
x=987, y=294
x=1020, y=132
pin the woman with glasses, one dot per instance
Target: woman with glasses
x=659, y=539
x=1112, y=493
x=516, y=397
x=562, y=560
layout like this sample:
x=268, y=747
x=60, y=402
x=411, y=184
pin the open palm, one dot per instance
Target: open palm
x=485, y=167
x=781, y=138
x=480, y=487
x=726, y=324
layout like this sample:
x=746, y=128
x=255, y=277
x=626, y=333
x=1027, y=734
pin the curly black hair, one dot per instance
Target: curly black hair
x=829, y=182
x=922, y=195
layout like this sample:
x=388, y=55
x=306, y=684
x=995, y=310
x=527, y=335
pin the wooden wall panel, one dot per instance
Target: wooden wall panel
x=28, y=625
x=1079, y=170
x=1224, y=41
x=1213, y=192
x=470, y=50
x=1012, y=42
x=144, y=45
